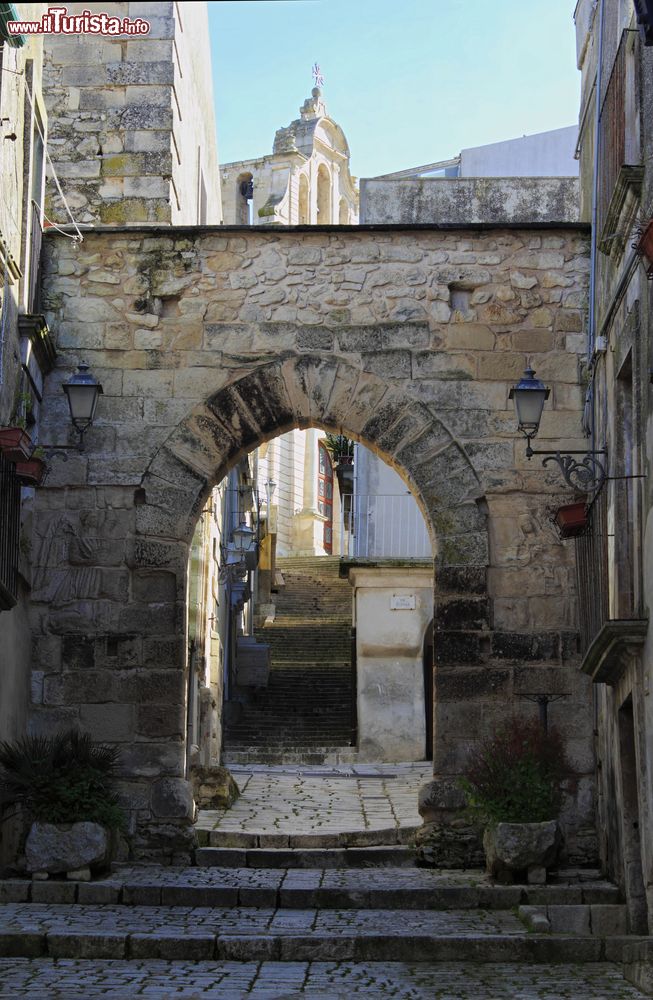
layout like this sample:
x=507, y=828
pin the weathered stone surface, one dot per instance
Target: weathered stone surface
x=67, y=847
x=172, y=798
x=518, y=846
x=213, y=787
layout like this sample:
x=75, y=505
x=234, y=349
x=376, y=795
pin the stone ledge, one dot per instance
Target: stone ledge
x=611, y=650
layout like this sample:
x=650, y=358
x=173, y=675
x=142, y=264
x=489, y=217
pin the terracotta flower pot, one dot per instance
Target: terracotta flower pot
x=15, y=444
x=571, y=520
x=31, y=472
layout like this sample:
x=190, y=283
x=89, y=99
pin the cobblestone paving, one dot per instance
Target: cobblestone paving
x=45, y=979
x=298, y=800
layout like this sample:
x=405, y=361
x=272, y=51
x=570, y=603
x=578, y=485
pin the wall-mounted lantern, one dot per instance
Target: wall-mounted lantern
x=243, y=538
x=83, y=391
x=530, y=395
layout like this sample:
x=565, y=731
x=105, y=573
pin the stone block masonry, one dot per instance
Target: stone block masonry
x=209, y=342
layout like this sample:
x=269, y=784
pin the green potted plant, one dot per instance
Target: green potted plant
x=65, y=787
x=341, y=449
x=513, y=784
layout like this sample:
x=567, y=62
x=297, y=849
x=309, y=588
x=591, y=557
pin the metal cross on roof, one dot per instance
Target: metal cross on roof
x=317, y=75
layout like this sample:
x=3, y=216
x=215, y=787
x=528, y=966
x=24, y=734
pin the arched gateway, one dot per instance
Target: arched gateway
x=210, y=342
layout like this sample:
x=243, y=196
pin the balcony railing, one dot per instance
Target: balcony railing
x=611, y=621
x=383, y=526
x=9, y=533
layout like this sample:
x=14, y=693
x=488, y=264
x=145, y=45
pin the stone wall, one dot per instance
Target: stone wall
x=209, y=342
x=132, y=120
x=464, y=200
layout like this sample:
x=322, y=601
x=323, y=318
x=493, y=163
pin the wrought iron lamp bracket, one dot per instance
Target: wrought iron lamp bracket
x=586, y=476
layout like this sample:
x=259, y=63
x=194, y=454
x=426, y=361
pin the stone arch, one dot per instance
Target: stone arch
x=304, y=391
x=244, y=198
x=323, y=196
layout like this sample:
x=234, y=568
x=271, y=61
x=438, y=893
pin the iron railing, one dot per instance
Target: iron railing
x=615, y=148
x=592, y=572
x=9, y=533
x=604, y=562
x=383, y=526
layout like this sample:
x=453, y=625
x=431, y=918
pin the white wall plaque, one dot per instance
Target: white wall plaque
x=402, y=602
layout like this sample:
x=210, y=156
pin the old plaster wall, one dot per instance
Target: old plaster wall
x=393, y=607
x=209, y=342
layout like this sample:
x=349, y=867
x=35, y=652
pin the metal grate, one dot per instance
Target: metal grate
x=9, y=533
x=592, y=571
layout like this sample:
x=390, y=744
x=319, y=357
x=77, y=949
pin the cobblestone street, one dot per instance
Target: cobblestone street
x=288, y=805
x=307, y=887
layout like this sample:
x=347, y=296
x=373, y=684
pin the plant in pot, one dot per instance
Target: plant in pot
x=513, y=784
x=65, y=786
x=341, y=449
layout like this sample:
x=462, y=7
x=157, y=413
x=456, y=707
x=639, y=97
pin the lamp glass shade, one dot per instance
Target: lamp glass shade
x=82, y=391
x=529, y=395
x=243, y=537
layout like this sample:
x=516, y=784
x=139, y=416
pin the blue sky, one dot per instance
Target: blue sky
x=409, y=81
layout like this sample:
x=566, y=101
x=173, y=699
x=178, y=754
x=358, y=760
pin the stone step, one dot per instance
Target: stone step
x=259, y=755
x=586, y=908
x=593, y=905
x=396, y=855
x=328, y=839
x=261, y=933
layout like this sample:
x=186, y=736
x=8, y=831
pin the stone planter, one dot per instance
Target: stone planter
x=71, y=848
x=518, y=851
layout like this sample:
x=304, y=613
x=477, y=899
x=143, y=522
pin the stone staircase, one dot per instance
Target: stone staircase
x=305, y=716
x=563, y=939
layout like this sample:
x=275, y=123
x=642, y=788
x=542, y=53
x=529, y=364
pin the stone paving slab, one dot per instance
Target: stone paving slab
x=162, y=980
x=370, y=888
x=318, y=806
x=258, y=934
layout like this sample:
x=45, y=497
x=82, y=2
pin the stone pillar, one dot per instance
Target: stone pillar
x=394, y=605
